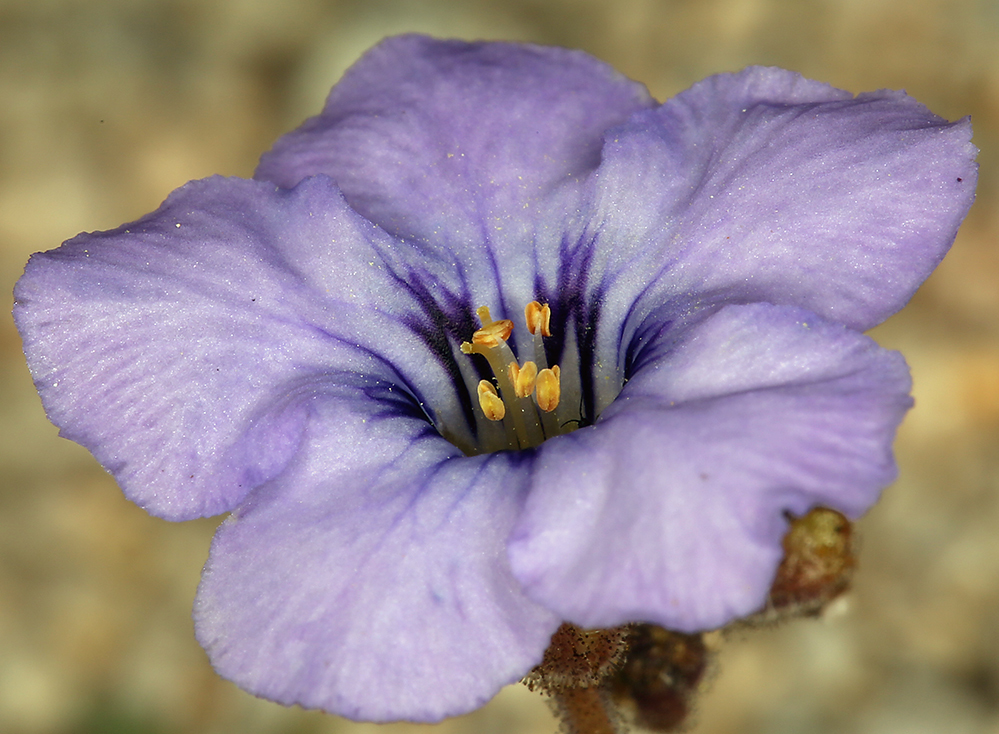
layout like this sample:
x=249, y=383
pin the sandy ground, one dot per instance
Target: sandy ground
x=106, y=106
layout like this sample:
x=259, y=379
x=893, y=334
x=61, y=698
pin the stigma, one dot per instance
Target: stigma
x=523, y=396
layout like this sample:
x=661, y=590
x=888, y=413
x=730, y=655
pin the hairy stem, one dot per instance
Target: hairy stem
x=584, y=711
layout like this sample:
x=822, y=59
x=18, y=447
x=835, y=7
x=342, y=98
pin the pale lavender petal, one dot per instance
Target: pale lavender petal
x=670, y=509
x=765, y=186
x=179, y=348
x=463, y=145
x=370, y=579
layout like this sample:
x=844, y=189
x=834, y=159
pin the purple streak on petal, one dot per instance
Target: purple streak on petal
x=764, y=186
x=179, y=348
x=671, y=508
x=370, y=579
x=463, y=146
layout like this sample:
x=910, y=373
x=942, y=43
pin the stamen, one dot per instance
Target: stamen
x=538, y=318
x=490, y=402
x=492, y=334
x=523, y=378
x=549, y=389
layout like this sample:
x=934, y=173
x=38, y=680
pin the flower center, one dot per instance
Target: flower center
x=525, y=399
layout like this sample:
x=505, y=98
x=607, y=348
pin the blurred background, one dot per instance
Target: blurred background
x=108, y=105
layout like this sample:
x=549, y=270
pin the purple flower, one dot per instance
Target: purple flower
x=290, y=350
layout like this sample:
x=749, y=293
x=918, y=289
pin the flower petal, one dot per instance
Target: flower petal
x=459, y=143
x=671, y=508
x=765, y=186
x=178, y=349
x=370, y=579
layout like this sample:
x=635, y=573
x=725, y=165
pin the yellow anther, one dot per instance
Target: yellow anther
x=491, y=403
x=523, y=378
x=549, y=389
x=513, y=372
x=491, y=334
x=538, y=318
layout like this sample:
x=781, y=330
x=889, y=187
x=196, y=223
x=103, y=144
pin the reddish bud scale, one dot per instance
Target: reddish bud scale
x=818, y=563
x=661, y=676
